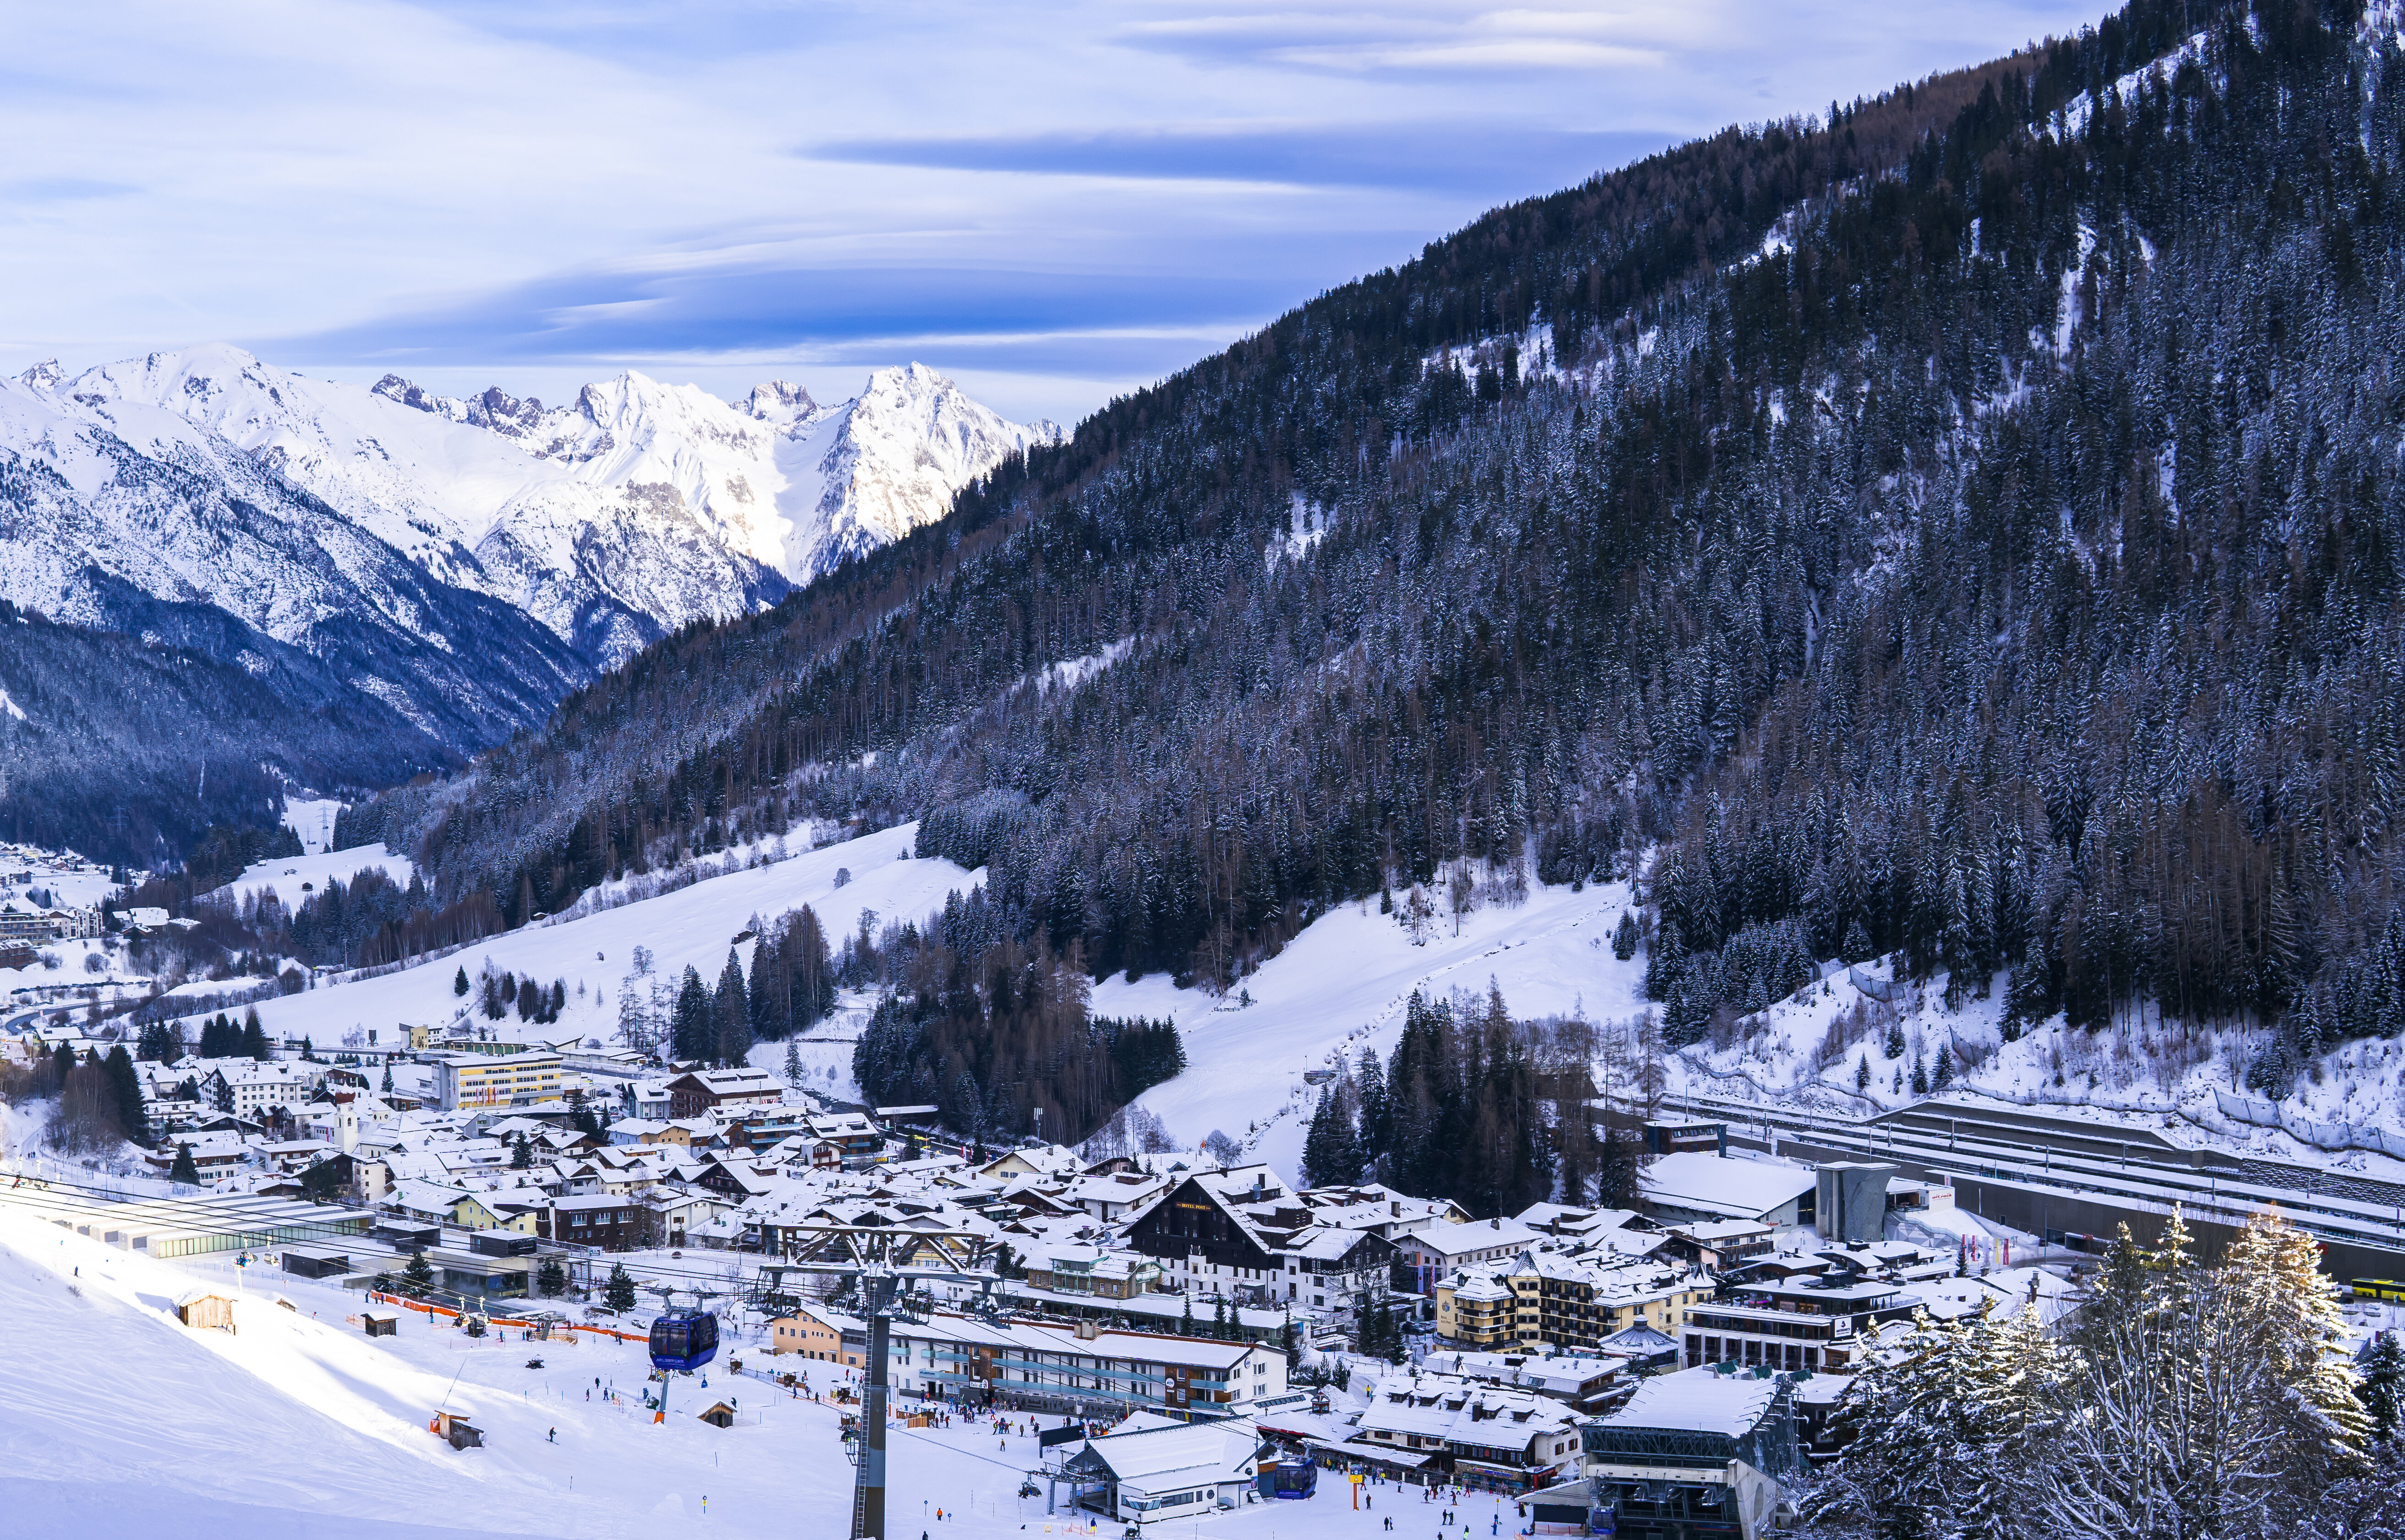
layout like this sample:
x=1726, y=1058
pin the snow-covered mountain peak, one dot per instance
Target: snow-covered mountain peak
x=890, y=459
x=493, y=408
x=783, y=403
x=632, y=508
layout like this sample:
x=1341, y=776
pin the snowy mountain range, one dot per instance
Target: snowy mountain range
x=384, y=579
x=634, y=510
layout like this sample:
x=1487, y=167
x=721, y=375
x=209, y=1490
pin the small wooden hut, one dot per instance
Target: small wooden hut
x=206, y=1309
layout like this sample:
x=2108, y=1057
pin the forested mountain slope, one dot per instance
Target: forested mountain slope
x=1969, y=527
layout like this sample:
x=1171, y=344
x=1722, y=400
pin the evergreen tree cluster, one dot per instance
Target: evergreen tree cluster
x=502, y=993
x=993, y=1032
x=220, y=1039
x=790, y=988
x=1471, y=1106
x=2186, y=1399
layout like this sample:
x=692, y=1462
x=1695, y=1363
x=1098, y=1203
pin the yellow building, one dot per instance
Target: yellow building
x=477, y=1079
x=1542, y=1299
x=804, y=1332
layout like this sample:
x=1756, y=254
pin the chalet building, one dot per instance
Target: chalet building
x=1721, y=1245
x=1505, y=1437
x=1071, y=1269
x=702, y=1091
x=1542, y=1299
x=246, y=1089
x=1087, y=1364
x=1147, y=1475
x=597, y=1219
x=858, y=1137
x=815, y=1332
x=1441, y=1248
x=1695, y=1454
x=1241, y=1234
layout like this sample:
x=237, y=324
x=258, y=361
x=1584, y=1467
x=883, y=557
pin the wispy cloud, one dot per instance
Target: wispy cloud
x=1063, y=199
x=1496, y=158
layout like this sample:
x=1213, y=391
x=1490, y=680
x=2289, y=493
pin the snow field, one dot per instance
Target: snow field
x=297, y=878
x=313, y=821
x=1341, y=987
x=694, y=926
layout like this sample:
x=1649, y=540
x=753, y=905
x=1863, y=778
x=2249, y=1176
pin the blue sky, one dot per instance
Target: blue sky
x=1052, y=204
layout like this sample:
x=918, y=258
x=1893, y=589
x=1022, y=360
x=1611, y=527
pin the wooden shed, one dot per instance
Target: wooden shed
x=456, y=1430
x=206, y=1309
x=381, y=1323
x=720, y=1415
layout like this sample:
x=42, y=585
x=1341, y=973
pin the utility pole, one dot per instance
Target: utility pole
x=868, y=1478
x=879, y=1258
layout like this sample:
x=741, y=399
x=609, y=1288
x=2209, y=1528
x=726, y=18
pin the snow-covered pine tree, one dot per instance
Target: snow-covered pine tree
x=1943, y=1427
x=731, y=1013
x=2383, y=1390
x=2205, y=1400
x=690, y=1039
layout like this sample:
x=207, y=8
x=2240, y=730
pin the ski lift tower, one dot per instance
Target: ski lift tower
x=883, y=1259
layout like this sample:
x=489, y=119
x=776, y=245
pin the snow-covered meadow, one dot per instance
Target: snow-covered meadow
x=1340, y=987
x=593, y=952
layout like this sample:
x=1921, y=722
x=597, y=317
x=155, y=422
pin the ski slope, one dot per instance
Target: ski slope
x=118, y=1420
x=1341, y=987
x=593, y=953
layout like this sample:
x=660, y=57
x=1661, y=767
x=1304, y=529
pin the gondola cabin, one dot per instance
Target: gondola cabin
x=683, y=1340
x=1295, y=1479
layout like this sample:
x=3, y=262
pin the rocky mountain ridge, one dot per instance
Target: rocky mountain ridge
x=437, y=571
x=635, y=509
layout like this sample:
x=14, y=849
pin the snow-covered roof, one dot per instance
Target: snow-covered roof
x=1151, y=1458
x=1698, y=1401
x=1731, y=1186
x=1485, y=1235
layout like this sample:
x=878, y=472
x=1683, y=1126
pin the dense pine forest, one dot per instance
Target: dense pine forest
x=1965, y=526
